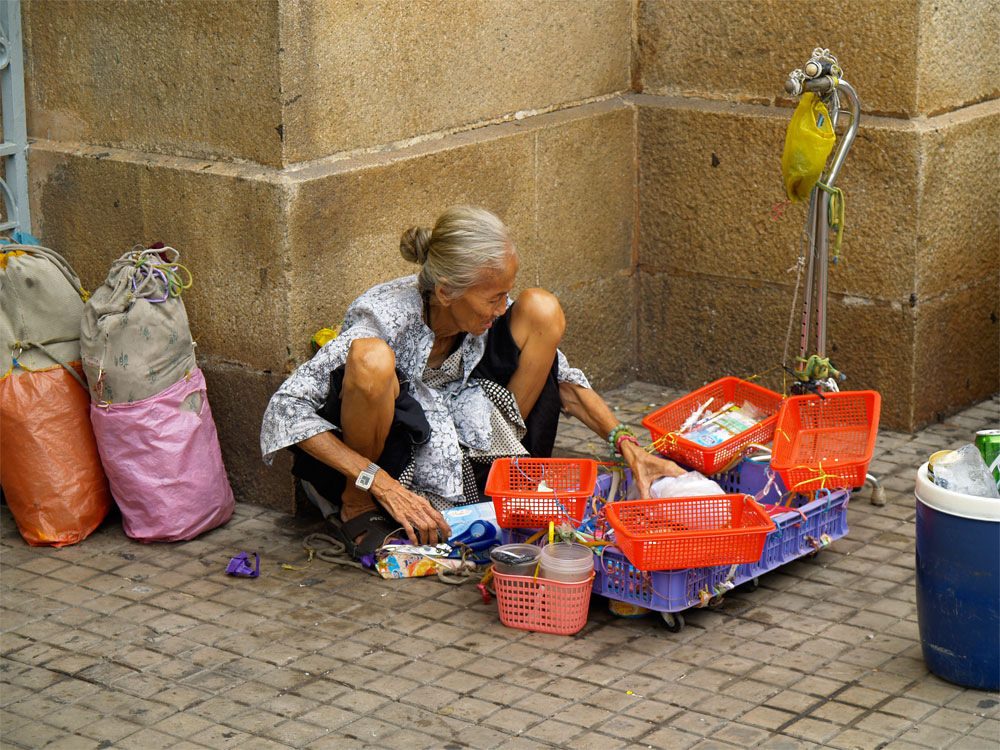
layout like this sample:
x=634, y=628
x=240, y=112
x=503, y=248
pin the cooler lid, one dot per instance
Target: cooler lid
x=955, y=503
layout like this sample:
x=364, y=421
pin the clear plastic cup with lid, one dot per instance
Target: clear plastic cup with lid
x=566, y=561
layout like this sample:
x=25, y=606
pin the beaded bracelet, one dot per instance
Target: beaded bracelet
x=625, y=437
x=618, y=432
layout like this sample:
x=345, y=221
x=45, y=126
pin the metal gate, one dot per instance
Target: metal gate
x=14, y=148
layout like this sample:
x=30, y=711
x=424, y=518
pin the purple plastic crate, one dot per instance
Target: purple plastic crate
x=798, y=532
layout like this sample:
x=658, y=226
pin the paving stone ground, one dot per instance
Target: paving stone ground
x=116, y=644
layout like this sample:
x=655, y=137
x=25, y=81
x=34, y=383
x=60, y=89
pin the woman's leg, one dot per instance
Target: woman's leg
x=537, y=325
x=366, y=412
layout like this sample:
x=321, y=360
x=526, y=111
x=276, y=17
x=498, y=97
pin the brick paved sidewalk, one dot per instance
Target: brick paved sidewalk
x=115, y=644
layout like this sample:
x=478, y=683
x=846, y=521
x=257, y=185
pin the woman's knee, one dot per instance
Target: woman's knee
x=370, y=368
x=537, y=311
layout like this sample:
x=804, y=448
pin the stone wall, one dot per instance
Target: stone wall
x=282, y=148
x=633, y=148
x=914, y=299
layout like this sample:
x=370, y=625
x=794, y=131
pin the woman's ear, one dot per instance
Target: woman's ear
x=443, y=292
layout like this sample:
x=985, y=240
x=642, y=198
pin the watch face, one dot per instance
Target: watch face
x=365, y=478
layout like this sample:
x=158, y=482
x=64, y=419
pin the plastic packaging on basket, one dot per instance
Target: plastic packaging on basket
x=542, y=605
x=533, y=491
x=162, y=457
x=665, y=424
x=826, y=443
x=678, y=533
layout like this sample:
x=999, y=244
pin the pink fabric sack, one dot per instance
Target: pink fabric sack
x=163, y=461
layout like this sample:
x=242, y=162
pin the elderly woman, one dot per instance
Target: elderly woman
x=431, y=378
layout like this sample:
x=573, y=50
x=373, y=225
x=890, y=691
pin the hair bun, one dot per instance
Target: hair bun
x=415, y=244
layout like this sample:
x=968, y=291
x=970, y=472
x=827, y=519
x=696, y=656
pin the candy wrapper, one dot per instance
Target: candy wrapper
x=407, y=561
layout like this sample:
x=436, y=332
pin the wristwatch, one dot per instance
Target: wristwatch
x=366, y=477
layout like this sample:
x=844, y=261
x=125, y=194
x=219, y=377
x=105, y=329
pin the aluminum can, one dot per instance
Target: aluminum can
x=930, y=462
x=988, y=443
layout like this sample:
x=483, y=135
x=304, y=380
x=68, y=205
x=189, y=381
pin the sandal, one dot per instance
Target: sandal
x=375, y=524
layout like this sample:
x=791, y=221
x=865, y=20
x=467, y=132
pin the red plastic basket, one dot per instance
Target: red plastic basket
x=690, y=532
x=513, y=483
x=542, y=605
x=826, y=443
x=664, y=423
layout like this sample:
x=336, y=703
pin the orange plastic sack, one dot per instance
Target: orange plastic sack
x=49, y=466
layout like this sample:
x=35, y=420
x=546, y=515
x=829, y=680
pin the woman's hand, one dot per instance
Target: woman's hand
x=647, y=468
x=422, y=524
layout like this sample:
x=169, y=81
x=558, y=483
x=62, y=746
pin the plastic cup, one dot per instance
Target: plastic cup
x=567, y=561
x=515, y=559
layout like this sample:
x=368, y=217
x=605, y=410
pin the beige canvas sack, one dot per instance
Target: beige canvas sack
x=41, y=303
x=134, y=337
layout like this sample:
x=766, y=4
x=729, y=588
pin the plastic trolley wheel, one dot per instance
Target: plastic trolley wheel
x=752, y=585
x=673, y=621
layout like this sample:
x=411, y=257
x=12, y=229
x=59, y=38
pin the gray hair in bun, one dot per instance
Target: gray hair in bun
x=464, y=243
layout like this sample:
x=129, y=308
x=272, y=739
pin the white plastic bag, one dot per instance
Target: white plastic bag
x=691, y=484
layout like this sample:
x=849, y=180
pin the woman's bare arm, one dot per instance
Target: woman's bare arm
x=587, y=406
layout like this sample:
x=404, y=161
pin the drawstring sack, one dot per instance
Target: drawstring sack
x=149, y=404
x=808, y=143
x=135, y=337
x=50, y=469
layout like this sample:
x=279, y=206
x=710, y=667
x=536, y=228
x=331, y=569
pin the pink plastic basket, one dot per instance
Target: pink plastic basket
x=542, y=605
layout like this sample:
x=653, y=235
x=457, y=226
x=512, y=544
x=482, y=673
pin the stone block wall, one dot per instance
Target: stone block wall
x=915, y=297
x=282, y=146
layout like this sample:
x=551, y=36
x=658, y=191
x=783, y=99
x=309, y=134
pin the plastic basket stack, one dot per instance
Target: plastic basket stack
x=689, y=532
x=529, y=493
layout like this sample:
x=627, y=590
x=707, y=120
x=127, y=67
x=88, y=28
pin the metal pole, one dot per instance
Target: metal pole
x=822, y=227
x=807, y=297
x=14, y=147
x=822, y=268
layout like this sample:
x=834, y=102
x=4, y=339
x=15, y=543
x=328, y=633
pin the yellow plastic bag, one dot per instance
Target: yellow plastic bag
x=808, y=143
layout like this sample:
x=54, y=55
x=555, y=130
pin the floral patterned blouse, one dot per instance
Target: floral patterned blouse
x=457, y=411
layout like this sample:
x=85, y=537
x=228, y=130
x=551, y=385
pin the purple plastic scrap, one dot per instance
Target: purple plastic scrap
x=240, y=566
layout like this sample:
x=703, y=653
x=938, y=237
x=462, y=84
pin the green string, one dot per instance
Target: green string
x=835, y=216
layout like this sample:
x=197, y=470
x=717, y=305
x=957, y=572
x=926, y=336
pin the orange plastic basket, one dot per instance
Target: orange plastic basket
x=542, y=605
x=690, y=532
x=664, y=423
x=826, y=443
x=514, y=483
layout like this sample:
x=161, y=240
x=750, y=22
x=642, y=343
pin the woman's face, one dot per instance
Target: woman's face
x=476, y=309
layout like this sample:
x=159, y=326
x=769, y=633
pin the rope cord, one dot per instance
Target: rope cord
x=150, y=272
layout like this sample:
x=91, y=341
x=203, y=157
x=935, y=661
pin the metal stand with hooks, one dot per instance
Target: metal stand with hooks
x=822, y=76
